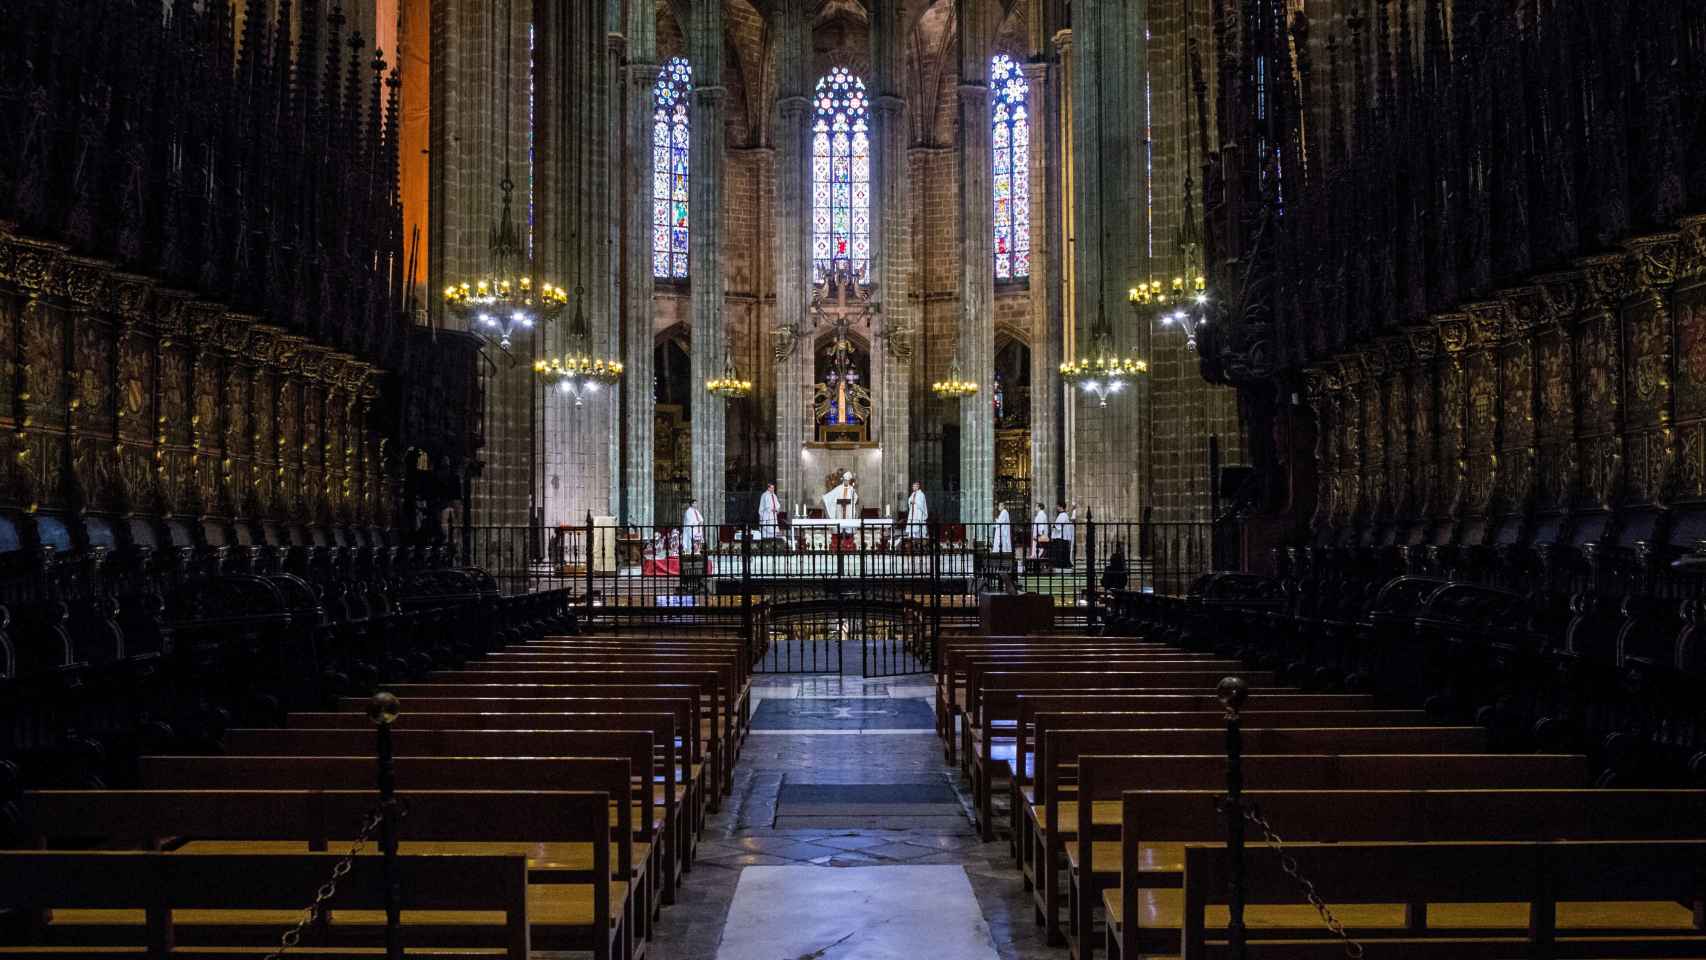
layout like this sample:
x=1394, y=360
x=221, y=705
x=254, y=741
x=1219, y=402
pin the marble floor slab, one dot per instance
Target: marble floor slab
x=860, y=913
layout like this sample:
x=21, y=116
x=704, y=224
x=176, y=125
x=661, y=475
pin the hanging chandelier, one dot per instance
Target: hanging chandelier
x=581, y=370
x=954, y=388
x=729, y=386
x=1104, y=372
x=507, y=299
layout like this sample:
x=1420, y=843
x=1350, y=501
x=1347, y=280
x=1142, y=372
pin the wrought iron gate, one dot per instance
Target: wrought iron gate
x=811, y=634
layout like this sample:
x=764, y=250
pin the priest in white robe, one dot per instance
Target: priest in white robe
x=1063, y=530
x=1039, y=530
x=692, y=529
x=845, y=490
x=917, y=512
x=1001, y=537
x=769, y=505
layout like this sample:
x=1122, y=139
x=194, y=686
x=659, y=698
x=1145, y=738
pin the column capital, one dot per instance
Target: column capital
x=890, y=103
x=973, y=90
x=711, y=92
x=796, y=103
x=1063, y=42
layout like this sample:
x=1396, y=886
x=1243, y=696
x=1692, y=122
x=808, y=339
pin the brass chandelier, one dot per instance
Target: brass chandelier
x=1104, y=371
x=954, y=388
x=581, y=370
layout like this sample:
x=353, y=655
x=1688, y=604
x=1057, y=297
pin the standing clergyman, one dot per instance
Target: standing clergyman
x=1001, y=540
x=1063, y=530
x=1039, y=530
x=845, y=490
x=768, y=507
x=917, y=512
x=692, y=528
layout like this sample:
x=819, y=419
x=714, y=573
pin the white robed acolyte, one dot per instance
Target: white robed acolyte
x=1001, y=540
x=692, y=530
x=1063, y=530
x=768, y=507
x=844, y=490
x=1039, y=531
x=917, y=514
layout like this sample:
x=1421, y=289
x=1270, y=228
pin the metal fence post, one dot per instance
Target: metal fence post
x=935, y=587
x=1232, y=693
x=1090, y=618
x=746, y=591
x=589, y=566
x=383, y=711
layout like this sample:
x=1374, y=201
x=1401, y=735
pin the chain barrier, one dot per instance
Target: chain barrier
x=1288, y=863
x=329, y=889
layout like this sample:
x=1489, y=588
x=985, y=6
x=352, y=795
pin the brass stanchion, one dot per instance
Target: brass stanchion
x=1233, y=691
x=383, y=712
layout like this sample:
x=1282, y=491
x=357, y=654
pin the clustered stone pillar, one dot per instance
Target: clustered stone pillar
x=705, y=257
x=977, y=259
x=1046, y=340
x=467, y=136
x=639, y=398
x=792, y=337
x=1110, y=204
x=572, y=218
x=891, y=351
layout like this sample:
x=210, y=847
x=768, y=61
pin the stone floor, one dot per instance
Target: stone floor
x=745, y=833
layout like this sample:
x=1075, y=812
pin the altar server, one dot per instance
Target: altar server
x=917, y=512
x=1063, y=530
x=692, y=528
x=769, y=505
x=1001, y=540
x=1039, y=530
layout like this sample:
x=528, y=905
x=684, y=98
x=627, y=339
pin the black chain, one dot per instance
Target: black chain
x=1288, y=863
x=329, y=889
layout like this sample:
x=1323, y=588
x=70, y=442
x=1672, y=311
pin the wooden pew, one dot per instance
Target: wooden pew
x=1103, y=781
x=608, y=774
x=1049, y=826
x=716, y=729
x=542, y=698
x=978, y=740
x=736, y=689
x=1588, y=898
x=654, y=834
x=570, y=897
x=733, y=649
x=1006, y=709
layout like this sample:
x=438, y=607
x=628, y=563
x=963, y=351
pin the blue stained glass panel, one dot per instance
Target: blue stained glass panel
x=841, y=176
x=671, y=136
x=1010, y=142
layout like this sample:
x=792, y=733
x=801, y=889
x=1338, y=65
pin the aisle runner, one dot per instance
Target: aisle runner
x=855, y=913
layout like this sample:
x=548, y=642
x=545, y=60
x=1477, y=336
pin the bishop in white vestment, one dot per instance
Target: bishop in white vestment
x=917, y=512
x=845, y=490
x=768, y=507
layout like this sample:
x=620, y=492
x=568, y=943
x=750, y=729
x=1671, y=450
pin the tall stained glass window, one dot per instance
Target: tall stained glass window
x=1012, y=180
x=841, y=176
x=669, y=169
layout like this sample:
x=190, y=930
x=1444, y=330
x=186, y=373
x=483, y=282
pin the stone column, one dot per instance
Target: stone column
x=977, y=263
x=1110, y=204
x=891, y=349
x=572, y=224
x=792, y=336
x=1063, y=259
x=466, y=137
x=1044, y=162
x=638, y=396
x=705, y=256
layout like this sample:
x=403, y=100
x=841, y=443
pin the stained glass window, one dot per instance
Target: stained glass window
x=1011, y=140
x=669, y=169
x=841, y=176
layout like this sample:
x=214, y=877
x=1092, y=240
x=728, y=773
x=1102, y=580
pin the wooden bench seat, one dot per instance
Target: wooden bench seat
x=608, y=774
x=1161, y=825
x=1580, y=898
x=655, y=820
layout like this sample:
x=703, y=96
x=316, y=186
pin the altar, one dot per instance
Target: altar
x=828, y=533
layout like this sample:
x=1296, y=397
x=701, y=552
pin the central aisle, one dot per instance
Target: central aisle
x=847, y=838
